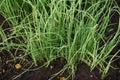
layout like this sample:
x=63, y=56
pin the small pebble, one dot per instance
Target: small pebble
x=51, y=67
x=3, y=71
x=119, y=71
x=91, y=76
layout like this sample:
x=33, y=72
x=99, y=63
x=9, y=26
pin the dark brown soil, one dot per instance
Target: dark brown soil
x=9, y=72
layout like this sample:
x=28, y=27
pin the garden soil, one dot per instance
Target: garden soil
x=8, y=71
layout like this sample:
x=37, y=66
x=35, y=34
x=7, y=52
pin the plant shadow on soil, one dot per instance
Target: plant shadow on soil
x=9, y=72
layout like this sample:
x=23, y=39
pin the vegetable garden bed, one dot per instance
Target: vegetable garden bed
x=59, y=40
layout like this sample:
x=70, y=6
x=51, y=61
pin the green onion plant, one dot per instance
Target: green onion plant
x=71, y=29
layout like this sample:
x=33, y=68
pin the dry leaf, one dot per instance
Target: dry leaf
x=18, y=66
x=62, y=78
